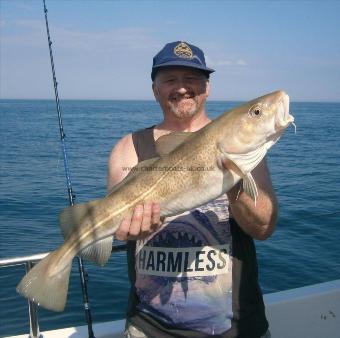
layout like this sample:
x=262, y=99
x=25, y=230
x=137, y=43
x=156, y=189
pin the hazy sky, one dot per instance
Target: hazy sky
x=104, y=49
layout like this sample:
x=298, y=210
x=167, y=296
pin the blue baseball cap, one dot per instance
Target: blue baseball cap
x=180, y=53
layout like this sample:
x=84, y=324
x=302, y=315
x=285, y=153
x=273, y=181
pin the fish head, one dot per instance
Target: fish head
x=258, y=123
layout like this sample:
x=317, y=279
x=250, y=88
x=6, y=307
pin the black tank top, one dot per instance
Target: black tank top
x=197, y=276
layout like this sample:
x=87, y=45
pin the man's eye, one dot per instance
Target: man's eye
x=192, y=78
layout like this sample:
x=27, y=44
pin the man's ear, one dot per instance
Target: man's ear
x=208, y=88
x=155, y=91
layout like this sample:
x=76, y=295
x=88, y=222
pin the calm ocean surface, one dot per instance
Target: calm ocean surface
x=305, y=167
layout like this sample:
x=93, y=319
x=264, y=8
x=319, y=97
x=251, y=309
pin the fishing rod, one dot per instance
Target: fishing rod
x=71, y=195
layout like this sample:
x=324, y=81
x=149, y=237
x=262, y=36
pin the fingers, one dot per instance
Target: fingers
x=144, y=220
x=156, y=210
x=136, y=221
x=123, y=230
x=147, y=219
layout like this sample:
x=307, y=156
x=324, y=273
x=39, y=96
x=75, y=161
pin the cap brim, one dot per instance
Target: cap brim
x=181, y=63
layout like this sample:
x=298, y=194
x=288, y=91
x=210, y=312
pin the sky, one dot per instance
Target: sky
x=103, y=49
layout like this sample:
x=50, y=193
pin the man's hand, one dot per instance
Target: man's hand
x=144, y=220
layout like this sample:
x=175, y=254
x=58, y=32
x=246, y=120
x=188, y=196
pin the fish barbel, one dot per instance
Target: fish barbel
x=192, y=169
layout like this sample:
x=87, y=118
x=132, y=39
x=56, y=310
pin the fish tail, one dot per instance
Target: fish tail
x=45, y=285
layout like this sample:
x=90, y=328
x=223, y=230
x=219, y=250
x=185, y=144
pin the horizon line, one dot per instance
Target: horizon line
x=153, y=100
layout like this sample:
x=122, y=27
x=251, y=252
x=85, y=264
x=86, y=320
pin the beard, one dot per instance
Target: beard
x=184, y=106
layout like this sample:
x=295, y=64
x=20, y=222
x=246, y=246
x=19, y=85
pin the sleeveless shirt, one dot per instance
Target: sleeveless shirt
x=197, y=276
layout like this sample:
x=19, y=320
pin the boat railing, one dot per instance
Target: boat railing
x=28, y=262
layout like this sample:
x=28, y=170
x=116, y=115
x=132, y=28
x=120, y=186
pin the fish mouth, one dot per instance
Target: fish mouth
x=283, y=117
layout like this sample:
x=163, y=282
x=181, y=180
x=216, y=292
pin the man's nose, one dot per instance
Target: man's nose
x=182, y=90
x=181, y=87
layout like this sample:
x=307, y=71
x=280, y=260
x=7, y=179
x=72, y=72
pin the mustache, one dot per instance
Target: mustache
x=178, y=96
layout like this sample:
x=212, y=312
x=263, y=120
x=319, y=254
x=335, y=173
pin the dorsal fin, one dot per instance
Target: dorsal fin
x=167, y=143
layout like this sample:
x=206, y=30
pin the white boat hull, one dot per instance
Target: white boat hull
x=311, y=311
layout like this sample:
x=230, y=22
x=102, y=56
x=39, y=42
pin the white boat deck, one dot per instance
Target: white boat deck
x=114, y=329
x=308, y=312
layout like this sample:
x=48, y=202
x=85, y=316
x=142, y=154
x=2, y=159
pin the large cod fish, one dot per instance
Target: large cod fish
x=195, y=169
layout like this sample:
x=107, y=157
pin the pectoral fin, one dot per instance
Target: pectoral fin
x=249, y=184
x=249, y=187
x=246, y=162
x=243, y=164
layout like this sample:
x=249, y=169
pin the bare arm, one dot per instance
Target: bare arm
x=122, y=158
x=257, y=221
x=146, y=217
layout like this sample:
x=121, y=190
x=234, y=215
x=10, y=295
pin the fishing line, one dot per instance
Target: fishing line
x=70, y=192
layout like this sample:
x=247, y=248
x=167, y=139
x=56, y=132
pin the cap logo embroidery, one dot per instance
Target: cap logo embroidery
x=182, y=50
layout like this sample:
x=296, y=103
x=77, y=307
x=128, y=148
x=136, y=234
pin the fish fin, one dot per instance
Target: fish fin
x=230, y=165
x=46, y=288
x=243, y=164
x=72, y=218
x=249, y=184
x=98, y=252
x=249, y=187
x=246, y=162
x=134, y=172
x=167, y=143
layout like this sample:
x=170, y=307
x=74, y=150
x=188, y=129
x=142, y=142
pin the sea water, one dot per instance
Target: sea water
x=305, y=169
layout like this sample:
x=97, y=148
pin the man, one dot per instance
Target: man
x=168, y=298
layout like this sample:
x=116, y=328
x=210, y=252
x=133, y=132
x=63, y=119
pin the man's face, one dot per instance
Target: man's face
x=181, y=91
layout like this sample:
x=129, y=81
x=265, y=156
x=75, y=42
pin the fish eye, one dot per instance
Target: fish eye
x=255, y=111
